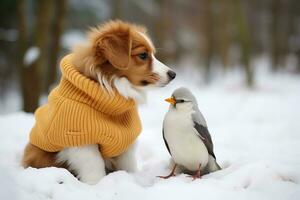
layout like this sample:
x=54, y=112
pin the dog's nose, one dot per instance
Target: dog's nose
x=171, y=74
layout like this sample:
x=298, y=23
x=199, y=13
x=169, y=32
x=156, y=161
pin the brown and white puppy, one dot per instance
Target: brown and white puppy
x=118, y=55
x=121, y=55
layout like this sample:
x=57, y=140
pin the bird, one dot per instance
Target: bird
x=186, y=136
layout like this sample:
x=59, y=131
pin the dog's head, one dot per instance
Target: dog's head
x=122, y=51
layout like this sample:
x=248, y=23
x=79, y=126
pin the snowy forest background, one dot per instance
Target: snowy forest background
x=214, y=36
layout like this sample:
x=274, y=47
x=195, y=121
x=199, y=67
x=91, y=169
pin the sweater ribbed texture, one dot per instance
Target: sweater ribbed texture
x=80, y=112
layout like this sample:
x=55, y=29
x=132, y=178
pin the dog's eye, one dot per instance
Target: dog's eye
x=143, y=56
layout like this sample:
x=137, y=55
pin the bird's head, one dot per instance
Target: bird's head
x=182, y=99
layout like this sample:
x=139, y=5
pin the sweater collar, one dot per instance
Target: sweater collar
x=78, y=87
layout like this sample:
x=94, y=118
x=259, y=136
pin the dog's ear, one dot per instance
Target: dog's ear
x=116, y=48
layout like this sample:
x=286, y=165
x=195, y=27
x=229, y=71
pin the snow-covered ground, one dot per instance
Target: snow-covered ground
x=257, y=142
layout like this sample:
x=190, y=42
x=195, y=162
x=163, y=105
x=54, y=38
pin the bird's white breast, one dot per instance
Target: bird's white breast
x=186, y=147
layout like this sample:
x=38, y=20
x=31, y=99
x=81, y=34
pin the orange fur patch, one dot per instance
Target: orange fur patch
x=38, y=158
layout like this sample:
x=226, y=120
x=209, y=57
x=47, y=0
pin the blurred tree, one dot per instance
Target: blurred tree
x=116, y=9
x=25, y=73
x=279, y=32
x=207, y=30
x=177, y=46
x=275, y=34
x=58, y=25
x=243, y=34
x=163, y=29
x=33, y=76
x=294, y=31
x=42, y=40
x=223, y=33
x=8, y=37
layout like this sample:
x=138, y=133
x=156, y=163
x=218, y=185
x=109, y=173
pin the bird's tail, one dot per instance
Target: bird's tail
x=212, y=164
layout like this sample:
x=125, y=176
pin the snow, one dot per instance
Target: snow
x=255, y=133
x=72, y=38
x=31, y=55
x=11, y=101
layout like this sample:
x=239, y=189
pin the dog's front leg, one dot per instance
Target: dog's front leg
x=86, y=161
x=127, y=160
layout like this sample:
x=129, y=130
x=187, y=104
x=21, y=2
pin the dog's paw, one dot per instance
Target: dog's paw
x=91, y=178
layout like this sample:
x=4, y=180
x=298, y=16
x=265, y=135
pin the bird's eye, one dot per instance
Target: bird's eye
x=143, y=56
x=180, y=101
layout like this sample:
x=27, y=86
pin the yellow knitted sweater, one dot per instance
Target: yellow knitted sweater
x=80, y=112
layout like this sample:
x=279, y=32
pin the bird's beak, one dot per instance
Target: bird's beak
x=171, y=100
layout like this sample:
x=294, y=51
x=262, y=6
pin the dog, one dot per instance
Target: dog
x=120, y=58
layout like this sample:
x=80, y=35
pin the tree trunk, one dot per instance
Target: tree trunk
x=32, y=80
x=280, y=29
x=116, y=9
x=163, y=27
x=244, y=40
x=224, y=32
x=275, y=34
x=25, y=73
x=207, y=30
x=294, y=14
x=59, y=19
x=42, y=40
x=159, y=31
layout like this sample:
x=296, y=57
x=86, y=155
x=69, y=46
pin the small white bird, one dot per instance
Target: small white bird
x=186, y=136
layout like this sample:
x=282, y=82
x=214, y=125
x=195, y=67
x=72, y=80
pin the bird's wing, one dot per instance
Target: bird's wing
x=204, y=135
x=163, y=132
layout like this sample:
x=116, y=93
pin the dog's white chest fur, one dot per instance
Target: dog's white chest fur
x=186, y=147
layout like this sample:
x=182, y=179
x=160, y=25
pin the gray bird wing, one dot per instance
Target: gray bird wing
x=204, y=135
x=163, y=132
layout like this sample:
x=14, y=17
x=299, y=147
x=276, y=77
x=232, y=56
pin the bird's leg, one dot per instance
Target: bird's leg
x=171, y=174
x=197, y=174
